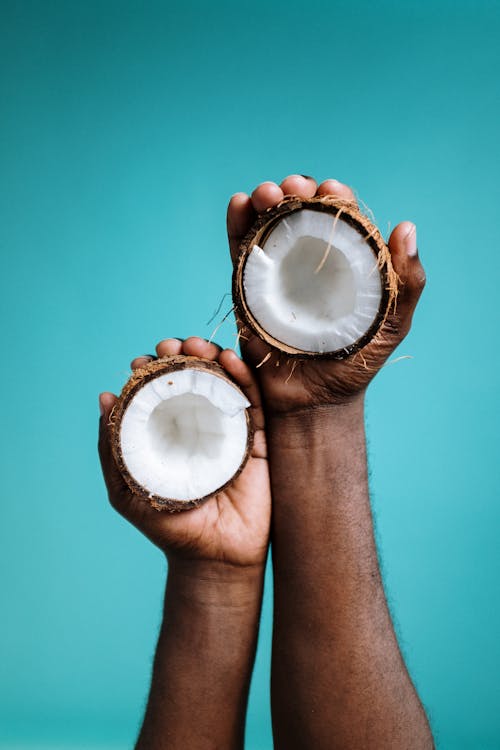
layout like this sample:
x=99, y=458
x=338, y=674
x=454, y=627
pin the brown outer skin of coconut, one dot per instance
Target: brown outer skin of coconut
x=259, y=233
x=138, y=380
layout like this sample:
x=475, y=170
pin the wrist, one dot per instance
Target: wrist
x=315, y=422
x=310, y=387
x=215, y=583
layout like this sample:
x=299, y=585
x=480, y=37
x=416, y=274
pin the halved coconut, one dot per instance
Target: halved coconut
x=314, y=278
x=181, y=431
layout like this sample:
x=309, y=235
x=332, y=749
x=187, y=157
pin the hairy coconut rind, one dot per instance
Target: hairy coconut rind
x=348, y=212
x=138, y=380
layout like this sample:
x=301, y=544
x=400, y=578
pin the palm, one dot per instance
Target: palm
x=298, y=383
x=232, y=526
x=291, y=383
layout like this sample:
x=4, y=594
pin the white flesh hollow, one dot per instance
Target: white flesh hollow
x=184, y=434
x=314, y=284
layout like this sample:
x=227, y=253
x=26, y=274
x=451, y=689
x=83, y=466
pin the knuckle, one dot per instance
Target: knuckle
x=392, y=326
x=396, y=327
x=420, y=279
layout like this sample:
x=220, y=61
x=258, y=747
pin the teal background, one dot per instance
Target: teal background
x=125, y=127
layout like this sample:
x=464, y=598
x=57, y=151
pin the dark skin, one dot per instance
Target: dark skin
x=338, y=677
x=216, y=560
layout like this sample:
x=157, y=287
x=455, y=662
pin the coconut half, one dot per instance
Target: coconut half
x=314, y=278
x=181, y=431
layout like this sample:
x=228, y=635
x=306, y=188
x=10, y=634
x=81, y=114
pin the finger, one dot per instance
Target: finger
x=337, y=189
x=195, y=346
x=266, y=195
x=406, y=263
x=169, y=347
x=245, y=379
x=141, y=361
x=240, y=217
x=116, y=485
x=301, y=185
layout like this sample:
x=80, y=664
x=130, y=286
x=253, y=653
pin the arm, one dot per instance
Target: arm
x=204, y=658
x=338, y=678
x=216, y=558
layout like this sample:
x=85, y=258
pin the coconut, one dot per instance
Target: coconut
x=181, y=431
x=314, y=278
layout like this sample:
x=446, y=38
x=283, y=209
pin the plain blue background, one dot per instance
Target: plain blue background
x=125, y=127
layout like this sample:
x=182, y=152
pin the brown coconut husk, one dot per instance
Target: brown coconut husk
x=138, y=380
x=347, y=211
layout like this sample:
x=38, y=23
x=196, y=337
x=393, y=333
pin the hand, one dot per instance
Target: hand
x=297, y=384
x=233, y=526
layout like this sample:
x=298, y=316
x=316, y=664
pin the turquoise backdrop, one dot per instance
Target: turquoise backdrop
x=125, y=127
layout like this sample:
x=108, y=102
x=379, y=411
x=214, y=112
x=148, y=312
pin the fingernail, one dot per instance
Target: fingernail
x=411, y=241
x=101, y=407
x=307, y=177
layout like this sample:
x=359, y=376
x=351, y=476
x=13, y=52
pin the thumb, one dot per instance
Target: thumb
x=406, y=263
x=116, y=485
x=240, y=217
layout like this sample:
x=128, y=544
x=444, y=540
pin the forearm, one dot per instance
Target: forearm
x=338, y=678
x=204, y=658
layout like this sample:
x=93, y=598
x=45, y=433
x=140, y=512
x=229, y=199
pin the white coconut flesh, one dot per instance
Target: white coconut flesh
x=314, y=284
x=184, y=434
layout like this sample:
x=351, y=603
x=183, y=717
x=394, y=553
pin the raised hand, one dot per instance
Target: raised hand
x=297, y=384
x=338, y=678
x=231, y=527
x=216, y=560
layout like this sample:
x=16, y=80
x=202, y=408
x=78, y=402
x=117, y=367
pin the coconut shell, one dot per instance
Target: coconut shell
x=138, y=380
x=348, y=212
